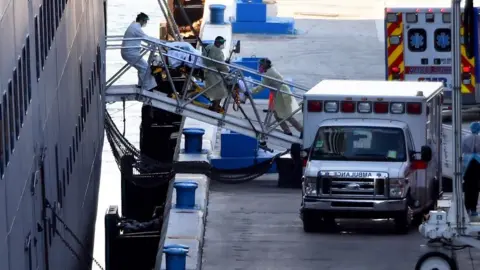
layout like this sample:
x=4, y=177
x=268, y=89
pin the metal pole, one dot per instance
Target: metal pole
x=457, y=115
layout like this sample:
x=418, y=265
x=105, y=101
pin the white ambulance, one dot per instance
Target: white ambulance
x=418, y=47
x=372, y=150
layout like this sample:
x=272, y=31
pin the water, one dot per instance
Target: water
x=120, y=15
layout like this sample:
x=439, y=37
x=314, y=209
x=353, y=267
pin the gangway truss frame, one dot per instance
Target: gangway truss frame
x=182, y=104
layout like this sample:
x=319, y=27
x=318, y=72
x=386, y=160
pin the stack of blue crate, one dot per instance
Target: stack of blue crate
x=239, y=151
x=251, y=18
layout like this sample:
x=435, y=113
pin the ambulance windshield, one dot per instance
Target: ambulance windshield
x=359, y=144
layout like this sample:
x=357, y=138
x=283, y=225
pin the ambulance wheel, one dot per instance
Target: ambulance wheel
x=316, y=222
x=436, y=261
x=403, y=221
x=311, y=221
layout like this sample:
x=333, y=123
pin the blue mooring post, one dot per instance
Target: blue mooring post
x=217, y=14
x=175, y=257
x=193, y=140
x=185, y=194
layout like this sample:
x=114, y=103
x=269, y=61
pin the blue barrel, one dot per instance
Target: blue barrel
x=193, y=140
x=217, y=14
x=185, y=194
x=175, y=258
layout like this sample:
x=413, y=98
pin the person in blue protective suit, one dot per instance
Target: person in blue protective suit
x=131, y=52
x=471, y=176
x=214, y=80
x=284, y=103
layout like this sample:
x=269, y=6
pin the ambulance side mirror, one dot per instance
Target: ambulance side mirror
x=236, y=49
x=426, y=153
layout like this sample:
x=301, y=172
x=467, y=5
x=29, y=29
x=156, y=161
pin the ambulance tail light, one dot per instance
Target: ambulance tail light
x=395, y=73
x=397, y=108
x=331, y=106
x=414, y=108
x=466, y=75
x=394, y=40
x=348, y=106
x=380, y=107
x=314, y=106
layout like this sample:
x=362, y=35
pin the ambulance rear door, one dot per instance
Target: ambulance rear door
x=418, y=48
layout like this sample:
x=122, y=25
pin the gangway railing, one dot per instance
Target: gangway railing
x=181, y=102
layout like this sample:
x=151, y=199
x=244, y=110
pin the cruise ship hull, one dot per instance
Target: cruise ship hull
x=51, y=131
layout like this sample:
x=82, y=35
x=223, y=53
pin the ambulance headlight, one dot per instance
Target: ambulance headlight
x=310, y=186
x=331, y=106
x=364, y=107
x=394, y=40
x=411, y=17
x=392, y=17
x=397, y=108
x=398, y=187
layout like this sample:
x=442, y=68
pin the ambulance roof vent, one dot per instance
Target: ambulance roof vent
x=419, y=93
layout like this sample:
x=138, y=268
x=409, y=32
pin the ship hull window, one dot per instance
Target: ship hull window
x=6, y=129
x=59, y=184
x=74, y=150
x=23, y=83
x=28, y=74
x=43, y=47
x=11, y=115
x=37, y=50
x=2, y=148
x=15, y=103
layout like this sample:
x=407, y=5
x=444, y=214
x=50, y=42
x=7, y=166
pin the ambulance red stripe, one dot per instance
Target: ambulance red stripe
x=392, y=27
x=397, y=63
x=392, y=48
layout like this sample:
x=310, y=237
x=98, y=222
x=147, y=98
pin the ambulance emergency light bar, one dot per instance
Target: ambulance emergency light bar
x=379, y=107
x=412, y=17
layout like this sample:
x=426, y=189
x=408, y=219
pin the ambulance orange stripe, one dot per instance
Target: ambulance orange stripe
x=391, y=27
x=391, y=49
x=395, y=52
x=398, y=63
x=465, y=61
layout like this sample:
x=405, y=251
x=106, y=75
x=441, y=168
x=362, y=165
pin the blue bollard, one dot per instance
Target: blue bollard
x=185, y=194
x=175, y=258
x=217, y=14
x=176, y=246
x=193, y=140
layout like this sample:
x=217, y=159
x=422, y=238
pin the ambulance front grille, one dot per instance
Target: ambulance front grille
x=352, y=187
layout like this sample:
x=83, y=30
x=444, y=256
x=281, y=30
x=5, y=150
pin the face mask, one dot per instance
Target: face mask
x=222, y=46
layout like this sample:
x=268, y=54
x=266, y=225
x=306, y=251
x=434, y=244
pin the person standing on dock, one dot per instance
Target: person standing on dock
x=131, y=47
x=214, y=81
x=471, y=176
x=284, y=102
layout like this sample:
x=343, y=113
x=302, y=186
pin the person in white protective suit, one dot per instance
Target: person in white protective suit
x=131, y=52
x=471, y=177
x=214, y=81
x=285, y=104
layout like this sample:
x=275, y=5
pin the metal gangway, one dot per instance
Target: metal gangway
x=181, y=103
